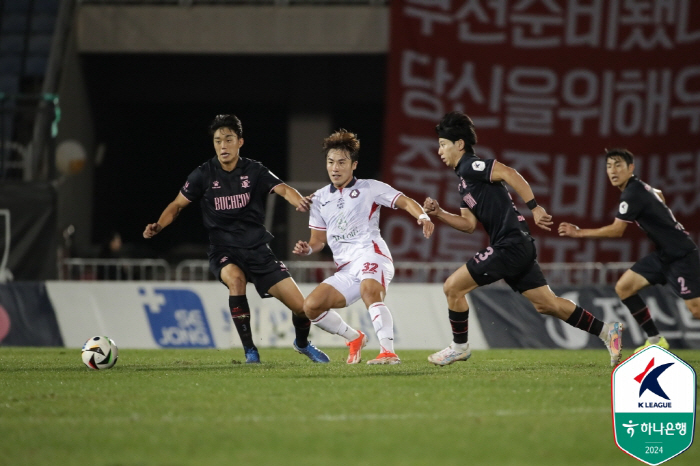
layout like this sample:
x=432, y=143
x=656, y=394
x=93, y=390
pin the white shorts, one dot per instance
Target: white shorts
x=370, y=265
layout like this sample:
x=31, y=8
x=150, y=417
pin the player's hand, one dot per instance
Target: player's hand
x=431, y=206
x=428, y=227
x=302, y=248
x=151, y=230
x=568, y=229
x=542, y=218
x=305, y=203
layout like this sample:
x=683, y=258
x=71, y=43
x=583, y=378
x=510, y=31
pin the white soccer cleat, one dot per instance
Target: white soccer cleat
x=449, y=355
x=613, y=341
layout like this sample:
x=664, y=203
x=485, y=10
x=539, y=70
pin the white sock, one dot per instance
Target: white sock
x=331, y=322
x=604, y=333
x=461, y=347
x=383, y=324
x=655, y=339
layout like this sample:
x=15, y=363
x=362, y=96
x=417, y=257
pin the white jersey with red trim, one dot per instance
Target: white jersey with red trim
x=350, y=217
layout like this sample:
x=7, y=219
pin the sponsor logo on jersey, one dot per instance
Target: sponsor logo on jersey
x=469, y=200
x=479, y=165
x=231, y=202
x=623, y=207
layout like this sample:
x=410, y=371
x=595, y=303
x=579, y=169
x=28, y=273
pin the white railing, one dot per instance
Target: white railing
x=114, y=269
x=562, y=274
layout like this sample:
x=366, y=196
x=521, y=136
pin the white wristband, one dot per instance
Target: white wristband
x=423, y=217
x=310, y=251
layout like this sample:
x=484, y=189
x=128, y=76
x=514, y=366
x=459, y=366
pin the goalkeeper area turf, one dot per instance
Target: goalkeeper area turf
x=207, y=408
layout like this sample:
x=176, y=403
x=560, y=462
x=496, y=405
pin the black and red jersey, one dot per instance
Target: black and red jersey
x=639, y=203
x=490, y=202
x=233, y=203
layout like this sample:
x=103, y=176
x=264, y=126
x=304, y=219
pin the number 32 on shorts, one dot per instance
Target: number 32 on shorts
x=370, y=267
x=483, y=255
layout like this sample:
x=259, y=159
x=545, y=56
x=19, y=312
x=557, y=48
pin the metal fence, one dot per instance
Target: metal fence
x=586, y=273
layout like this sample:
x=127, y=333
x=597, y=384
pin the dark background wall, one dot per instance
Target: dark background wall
x=152, y=114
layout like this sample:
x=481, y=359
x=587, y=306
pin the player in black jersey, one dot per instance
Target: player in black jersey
x=675, y=261
x=232, y=192
x=511, y=255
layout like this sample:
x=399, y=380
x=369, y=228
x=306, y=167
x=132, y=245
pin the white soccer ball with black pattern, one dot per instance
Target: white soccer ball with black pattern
x=100, y=353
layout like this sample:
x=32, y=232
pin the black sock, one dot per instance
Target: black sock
x=460, y=325
x=240, y=313
x=586, y=321
x=641, y=314
x=302, y=326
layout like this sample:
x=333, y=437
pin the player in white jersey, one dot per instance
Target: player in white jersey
x=345, y=214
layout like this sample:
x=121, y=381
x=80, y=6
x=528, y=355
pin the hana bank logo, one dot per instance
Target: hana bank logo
x=649, y=381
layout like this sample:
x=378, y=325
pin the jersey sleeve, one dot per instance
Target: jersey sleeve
x=267, y=179
x=384, y=194
x=193, y=189
x=477, y=170
x=316, y=220
x=630, y=206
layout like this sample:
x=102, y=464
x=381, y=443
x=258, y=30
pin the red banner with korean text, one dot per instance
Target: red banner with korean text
x=549, y=85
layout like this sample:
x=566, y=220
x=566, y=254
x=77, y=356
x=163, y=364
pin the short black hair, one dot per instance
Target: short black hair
x=227, y=121
x=343, y=140
x=455, y=126
x=624, y=154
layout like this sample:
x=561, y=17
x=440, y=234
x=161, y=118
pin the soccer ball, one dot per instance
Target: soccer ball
x=100, y=353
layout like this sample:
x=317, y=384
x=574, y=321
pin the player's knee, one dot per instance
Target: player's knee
x=236, y=284
x=623, y=290
x=450, y=290
x=312, y=307
x=694, y=309
x=546, y=307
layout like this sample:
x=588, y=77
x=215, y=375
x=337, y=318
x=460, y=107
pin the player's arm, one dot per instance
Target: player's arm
x=522, y=187
x=291, y=195
x=315, y=243
x=614, y=230
x=413, y=208
x=167, y=217
x=465, y=222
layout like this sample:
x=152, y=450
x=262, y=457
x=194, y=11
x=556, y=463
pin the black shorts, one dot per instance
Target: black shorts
x=260, y=265
x=682, y=274
x=516, y=263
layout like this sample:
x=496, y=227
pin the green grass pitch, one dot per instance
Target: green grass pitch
x=205, y=408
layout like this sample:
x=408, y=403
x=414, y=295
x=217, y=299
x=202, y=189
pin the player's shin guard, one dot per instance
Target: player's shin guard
x=302, y=326
x=641, y=314
x=240, y=313
x=331, y=322
x=586, y=321
x=460, y=326
x=383, y=323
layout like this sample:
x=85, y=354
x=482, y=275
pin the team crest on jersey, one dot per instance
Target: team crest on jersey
x=245, y=182
x=354, y=193
x=479, y=165
x=623, y=207
x=216, y=185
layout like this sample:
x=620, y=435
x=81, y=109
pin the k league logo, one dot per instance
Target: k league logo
x=653, y=402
